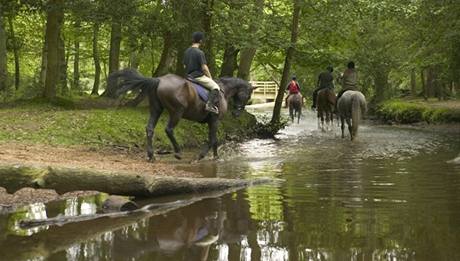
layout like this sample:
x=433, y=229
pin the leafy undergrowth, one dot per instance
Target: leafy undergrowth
x=62, y=124
x=412, y=111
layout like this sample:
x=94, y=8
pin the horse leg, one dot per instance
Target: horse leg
x=319, y=120
x=331, y=115
x=291, y=114
x=299, y=112
x=154, y=116
x=350, y=128
x=172, y=122
x=342, y=126
x=212, y=139
x=322, y=121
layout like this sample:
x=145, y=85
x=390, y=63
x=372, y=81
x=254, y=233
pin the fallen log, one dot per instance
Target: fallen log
x=14, y=177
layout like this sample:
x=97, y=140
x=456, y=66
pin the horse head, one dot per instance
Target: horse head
x=239, y=91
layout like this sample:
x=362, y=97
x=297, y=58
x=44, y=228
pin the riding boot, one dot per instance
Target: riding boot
x=315, y=93
x=213, y=101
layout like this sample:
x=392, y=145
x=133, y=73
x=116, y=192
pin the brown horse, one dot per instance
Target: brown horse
x=326, y=102
x=295, y=106
x=180, y=99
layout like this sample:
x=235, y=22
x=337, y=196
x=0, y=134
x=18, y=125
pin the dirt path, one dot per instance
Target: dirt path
x=74, y=157
x=86, y=158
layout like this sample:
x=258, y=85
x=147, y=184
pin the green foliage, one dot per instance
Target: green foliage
x=385, y=38
x=412, y=111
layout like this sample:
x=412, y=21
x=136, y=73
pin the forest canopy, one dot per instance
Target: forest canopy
x=66, y=48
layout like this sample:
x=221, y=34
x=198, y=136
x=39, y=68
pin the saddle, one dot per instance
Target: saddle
x=203, y=93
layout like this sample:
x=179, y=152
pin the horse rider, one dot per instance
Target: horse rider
x=293, y=88
x=325, y=80
x=197, y=69
x=349, y=79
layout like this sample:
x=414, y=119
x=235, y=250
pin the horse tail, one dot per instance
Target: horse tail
x=355, y=113
x=129, y=79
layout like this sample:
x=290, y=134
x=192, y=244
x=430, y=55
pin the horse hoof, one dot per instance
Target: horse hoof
x=178, y=156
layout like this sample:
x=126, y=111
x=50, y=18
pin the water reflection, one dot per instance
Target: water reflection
x=389, y=196
x=32, y=211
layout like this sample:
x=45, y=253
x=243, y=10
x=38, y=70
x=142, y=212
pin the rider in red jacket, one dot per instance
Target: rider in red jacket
x=293, y=88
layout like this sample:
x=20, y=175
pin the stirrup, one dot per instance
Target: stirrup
x=212, y=109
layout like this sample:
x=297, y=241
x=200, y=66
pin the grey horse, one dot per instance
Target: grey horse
x=351, y=106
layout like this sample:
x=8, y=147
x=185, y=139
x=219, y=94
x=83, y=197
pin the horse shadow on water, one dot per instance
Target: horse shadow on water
x=295, y=106
x=351, y=106
x=177, y=95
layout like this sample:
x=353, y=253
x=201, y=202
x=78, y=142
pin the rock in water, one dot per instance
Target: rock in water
x=455, y=161
x=118, y=203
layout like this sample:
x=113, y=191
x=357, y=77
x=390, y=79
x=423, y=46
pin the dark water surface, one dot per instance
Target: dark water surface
x=390, y=195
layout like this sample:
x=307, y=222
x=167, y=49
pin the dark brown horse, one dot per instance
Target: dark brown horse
x=325, y=100
x=180, y=99
x=295, y=106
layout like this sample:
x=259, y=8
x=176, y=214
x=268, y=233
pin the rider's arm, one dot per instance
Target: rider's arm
x=206, y=71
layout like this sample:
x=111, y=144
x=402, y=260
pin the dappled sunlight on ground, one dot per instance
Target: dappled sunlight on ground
x=85, y=158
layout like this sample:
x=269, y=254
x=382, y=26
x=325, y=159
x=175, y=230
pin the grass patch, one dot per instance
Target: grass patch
x=412, y=111
x=47, y=123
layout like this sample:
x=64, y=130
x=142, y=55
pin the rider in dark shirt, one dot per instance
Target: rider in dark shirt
x=197, y=69
x=325, y=80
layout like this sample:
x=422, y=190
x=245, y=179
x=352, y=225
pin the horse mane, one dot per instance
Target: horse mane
x=233, y=82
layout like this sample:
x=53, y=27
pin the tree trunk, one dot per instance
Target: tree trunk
x=381, y=85
x=114, y=56
x=180, y=49
x=166, y=57
x=430, y=82
x=115, y=41
x=76, y=61
x=3, y=57
x=230, y=61
x=17, y=70
x=135, y=50
x=287, y=63
x=247, y=54
x=246, y=58
x=423, y=80
x=207, y=26
x=44, y=63
x=55, y=17
x=96, y=59
x=62, y=64
x=413, y=83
